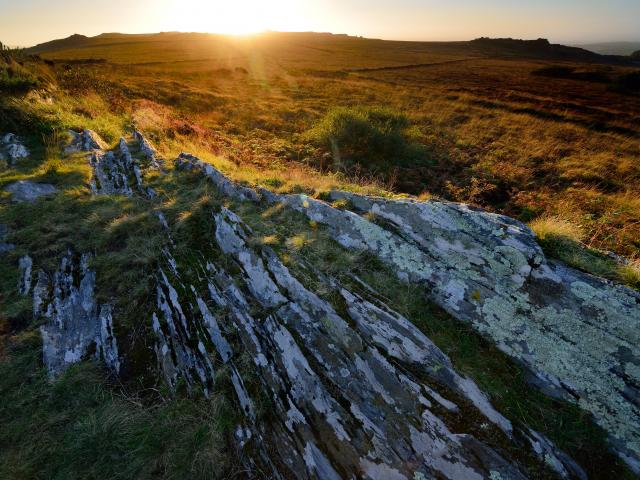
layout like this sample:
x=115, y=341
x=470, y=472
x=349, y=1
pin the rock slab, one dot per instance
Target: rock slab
x=28, y=191
x=577, y=335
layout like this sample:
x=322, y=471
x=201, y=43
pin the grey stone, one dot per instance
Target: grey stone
x=75, y=321
x=576, y=334
x=12, y=148
x=118, y=173
x=85, y=141
x=27, y=191
x=339, y=400
x=25, y=266
x=148, y=150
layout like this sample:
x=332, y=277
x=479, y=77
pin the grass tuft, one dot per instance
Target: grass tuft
x=375, y=137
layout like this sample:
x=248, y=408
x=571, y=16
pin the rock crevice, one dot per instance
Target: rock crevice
x=566, y=327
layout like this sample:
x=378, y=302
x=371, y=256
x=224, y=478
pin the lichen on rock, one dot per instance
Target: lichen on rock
x=12, y=148
x=576, y=334
x=75, y=322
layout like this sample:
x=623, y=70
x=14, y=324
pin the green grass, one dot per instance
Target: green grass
x=83, y=426
x=563, y=240
x=376, y=138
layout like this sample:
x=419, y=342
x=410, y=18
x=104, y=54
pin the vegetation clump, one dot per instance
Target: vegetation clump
x=629, y=82
x=18, y=75
x=374, y=137
x=562, y=239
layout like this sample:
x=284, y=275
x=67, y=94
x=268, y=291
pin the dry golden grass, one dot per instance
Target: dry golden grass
x=550, y=227
x=497, y=134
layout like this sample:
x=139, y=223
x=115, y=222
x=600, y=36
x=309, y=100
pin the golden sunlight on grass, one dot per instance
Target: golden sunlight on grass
x=555, y=227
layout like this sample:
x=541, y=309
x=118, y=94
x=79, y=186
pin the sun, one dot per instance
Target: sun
x=236, y=17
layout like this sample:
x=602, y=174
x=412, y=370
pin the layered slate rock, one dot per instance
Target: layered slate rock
x=28, y=191
x=118, y=172
x=576, y=334
x=76, y=324
x=85, y=141
x=12, y=149
x=148, y=150
x=362, y=394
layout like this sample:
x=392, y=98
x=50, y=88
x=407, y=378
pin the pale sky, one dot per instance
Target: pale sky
x=27, y=22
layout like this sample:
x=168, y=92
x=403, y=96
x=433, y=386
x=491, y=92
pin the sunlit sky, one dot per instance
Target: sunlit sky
x=27, y=22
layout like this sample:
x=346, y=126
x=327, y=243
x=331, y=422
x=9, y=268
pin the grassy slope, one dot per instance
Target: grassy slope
x=498, y=134
x=247, y=125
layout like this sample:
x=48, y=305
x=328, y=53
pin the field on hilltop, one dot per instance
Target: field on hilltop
x=524, y=128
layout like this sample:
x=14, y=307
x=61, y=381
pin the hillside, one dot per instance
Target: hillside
x=336, y=50
x=318, y=256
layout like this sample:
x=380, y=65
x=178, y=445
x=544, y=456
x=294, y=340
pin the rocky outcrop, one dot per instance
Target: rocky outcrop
x=112, y=173
x=27, y=191
x=25, y=265
x=150, y=153
x=577, y=335
x=352, y=388
x=76, y=325
x=118, y=172
x=358, y=394
x=85, y=141
x=12, y=149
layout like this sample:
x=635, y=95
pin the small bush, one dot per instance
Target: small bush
x=374, y=137
x=629, y=82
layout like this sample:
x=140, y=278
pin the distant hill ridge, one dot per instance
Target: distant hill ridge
x=612, y=48
x=539, y=48
x=73, y=41
x=542, y=48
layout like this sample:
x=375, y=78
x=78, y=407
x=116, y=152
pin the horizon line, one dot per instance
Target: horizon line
x=267, y=31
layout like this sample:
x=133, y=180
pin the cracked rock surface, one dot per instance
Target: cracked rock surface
x=12, y=149
x=76, y=323
x=344, y=400
x=27, y=191
x=576, y=334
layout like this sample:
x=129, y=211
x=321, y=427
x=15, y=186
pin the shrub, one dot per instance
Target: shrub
x=15, y=79
x=629, y=82
x=374, y=137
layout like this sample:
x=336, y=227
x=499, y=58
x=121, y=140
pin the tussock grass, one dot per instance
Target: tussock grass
x=376, y=137
x=563, y=239
x=553, y=228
